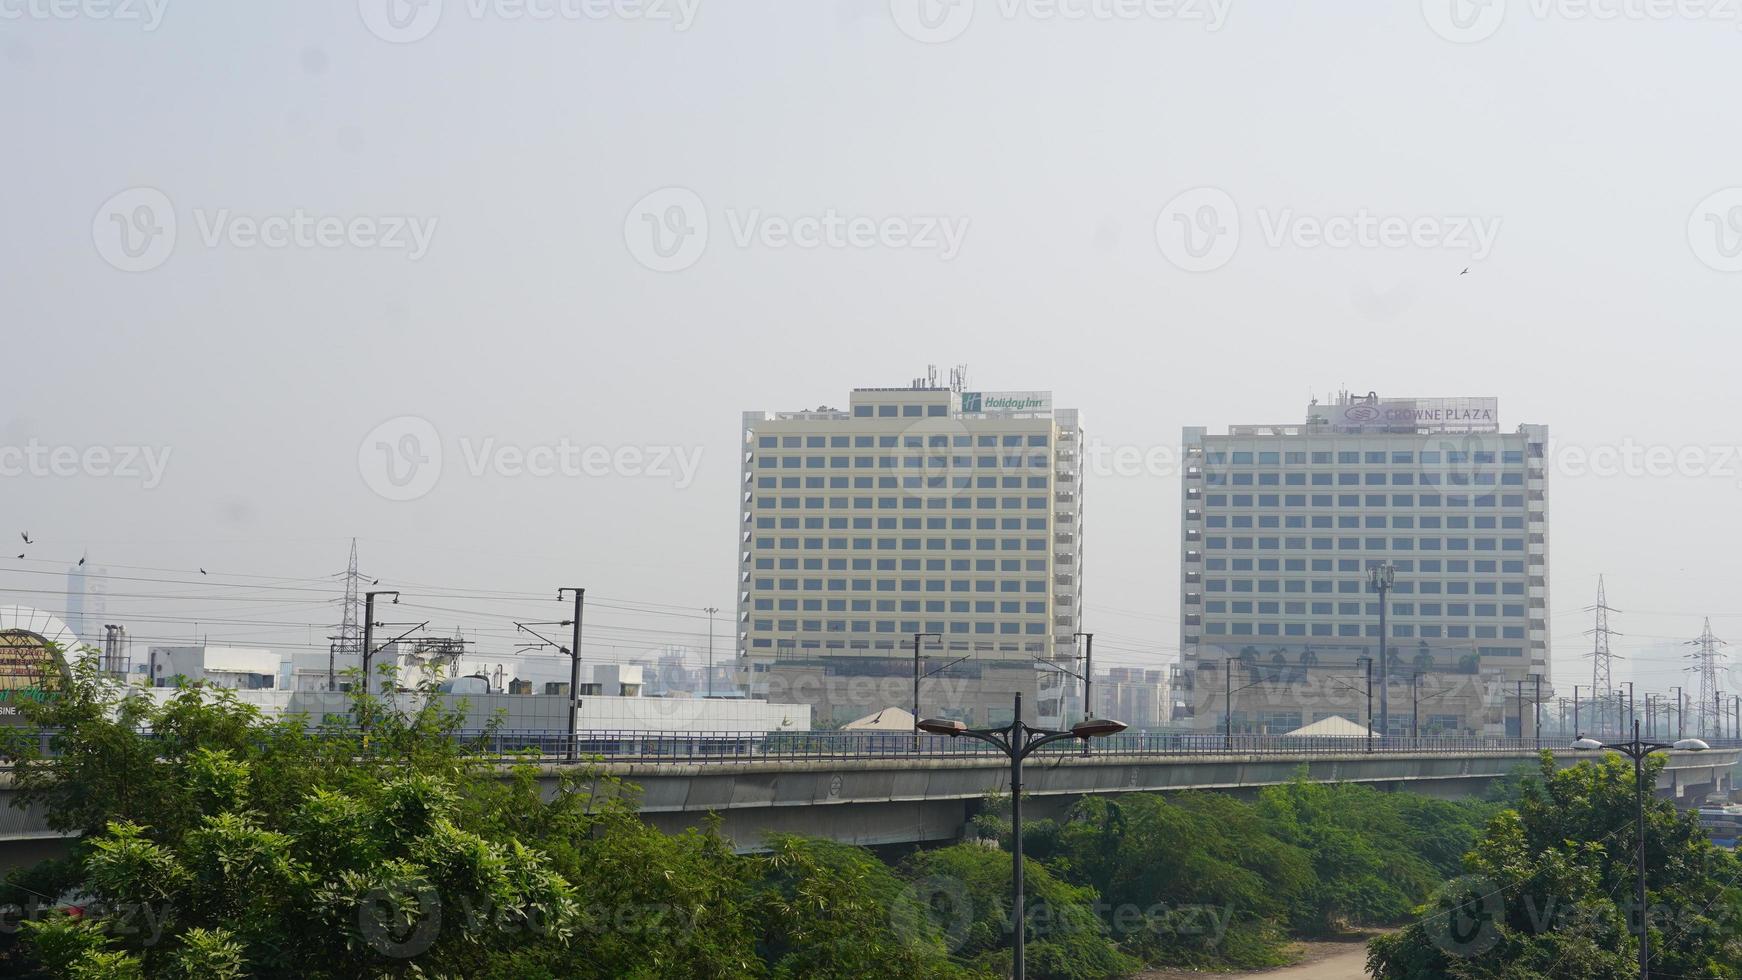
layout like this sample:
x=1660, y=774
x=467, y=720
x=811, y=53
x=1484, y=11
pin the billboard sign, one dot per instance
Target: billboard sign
x=1425, y=415
x=977, y=402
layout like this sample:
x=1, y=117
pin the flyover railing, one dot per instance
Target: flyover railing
x=700, y=747
x=706, y=747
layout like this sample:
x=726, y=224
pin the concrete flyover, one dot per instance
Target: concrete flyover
x=873, y=801
x=895, y=789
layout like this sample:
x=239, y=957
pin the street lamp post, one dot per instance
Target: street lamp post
x=1380, y=578
x=1017, y=741
x=916, y=639
x=1637, y=750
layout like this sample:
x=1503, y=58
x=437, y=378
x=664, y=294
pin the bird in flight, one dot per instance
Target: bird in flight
x=26, y=536
x=202, y=571
x=21, y=554
x=82, y=560
x=376, y=582
x=1465, y=272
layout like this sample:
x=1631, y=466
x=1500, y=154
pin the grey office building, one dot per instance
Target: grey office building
x=1280, y=525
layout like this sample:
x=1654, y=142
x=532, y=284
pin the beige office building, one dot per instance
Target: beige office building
x=919, y=510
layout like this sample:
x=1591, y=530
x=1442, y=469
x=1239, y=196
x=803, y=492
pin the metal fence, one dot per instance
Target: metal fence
x=755, y=746
x=706, y=747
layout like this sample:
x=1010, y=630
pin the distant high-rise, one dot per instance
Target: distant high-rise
x=925, y=509
x=1280, y=525
x=87, y=602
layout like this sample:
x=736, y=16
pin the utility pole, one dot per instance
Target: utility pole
x=1519, y=701
x=574, y=667
x=1536, y=710
x=369, y=640
x=916, y=639
x=1600, y=654
x=1680, y=718
x=1414, y=705
x=1088, y=678
x=1228, y=701
x=369, y=632
x=711, y=610
x=1576, y=729
x=1625, y=707
x=1380, y=578
x=1369, y=703
x=1706, y=664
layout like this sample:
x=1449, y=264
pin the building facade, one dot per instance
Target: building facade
x=1137, y=696
x=87, y=602
x=238, y=668
x=1280, y=525
x=918, y=510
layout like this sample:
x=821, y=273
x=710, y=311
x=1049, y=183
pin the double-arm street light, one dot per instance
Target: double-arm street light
x=1017, y=740
x=1637, y=750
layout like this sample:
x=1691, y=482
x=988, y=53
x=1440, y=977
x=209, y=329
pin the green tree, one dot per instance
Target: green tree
x=214, y=842
x=1551, y=884
x=1188, y=878
x=832, y=910
x=1066, y=938
x=1375, y=855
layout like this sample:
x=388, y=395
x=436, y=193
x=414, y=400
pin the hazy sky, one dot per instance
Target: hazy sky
x=250, y=234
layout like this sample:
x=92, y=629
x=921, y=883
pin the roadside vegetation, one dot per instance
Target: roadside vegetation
x=215, y=843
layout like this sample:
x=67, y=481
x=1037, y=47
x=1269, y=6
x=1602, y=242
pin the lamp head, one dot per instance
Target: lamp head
x=1690, y=745
x=1097, y=727
x=942, y=726
x=1587, y=745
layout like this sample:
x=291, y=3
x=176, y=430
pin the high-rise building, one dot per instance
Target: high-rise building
x=87, y=602
x=1280, y=526
x=926, y=509
x=1137, y=696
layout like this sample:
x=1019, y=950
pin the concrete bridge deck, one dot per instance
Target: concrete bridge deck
x=892, y=789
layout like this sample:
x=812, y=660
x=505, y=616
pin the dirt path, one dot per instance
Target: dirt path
x=1339, y=960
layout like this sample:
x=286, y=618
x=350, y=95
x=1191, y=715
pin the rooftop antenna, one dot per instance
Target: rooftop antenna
x=958, y=378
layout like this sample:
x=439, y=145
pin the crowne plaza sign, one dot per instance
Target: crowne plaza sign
x=1375, y=414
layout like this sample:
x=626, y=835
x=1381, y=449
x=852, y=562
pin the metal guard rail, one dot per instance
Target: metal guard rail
x=757, y=746
x=706, y=747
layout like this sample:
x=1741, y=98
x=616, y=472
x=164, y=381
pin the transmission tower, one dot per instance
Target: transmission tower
x=348, y=642
x=1601, y=686
x=1706, y=663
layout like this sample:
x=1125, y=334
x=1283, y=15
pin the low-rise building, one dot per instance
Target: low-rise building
x=240, y=668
